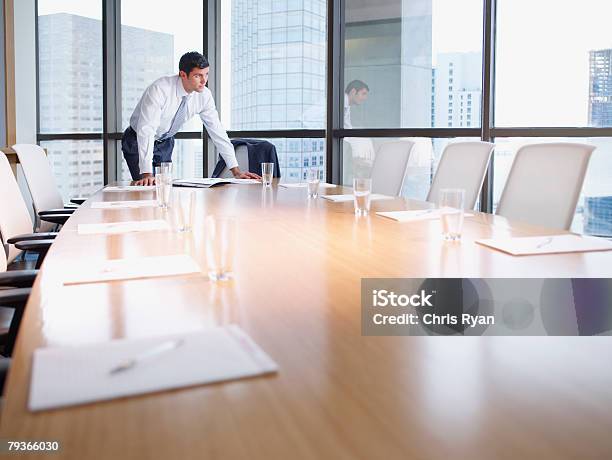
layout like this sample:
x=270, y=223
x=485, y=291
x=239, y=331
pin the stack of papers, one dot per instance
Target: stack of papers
x=342, y=198
x=126, y=269
x=129, y=188
x=67, y=376
x=520, y=246
x=113, y=228
x=211, y=182
x=124, y=204
x=304, y=185
x=410, y=216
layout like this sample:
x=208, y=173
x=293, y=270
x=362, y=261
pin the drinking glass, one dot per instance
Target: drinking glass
x=451, y=202
x=220, y=245
x=267, y=172
x=312, y=182
x=362, y=190
x=163, y=187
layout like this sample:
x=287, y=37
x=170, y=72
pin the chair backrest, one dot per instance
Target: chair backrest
x=389, y=168
x=463, y=165
x=242, y=155
x=14, y=216
x=39, y=177
x=544, y=184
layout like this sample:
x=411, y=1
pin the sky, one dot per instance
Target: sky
x=542, y=47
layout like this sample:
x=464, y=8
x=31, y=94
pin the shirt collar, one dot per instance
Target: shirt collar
x=180, y=91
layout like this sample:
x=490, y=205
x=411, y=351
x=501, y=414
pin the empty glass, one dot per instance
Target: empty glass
x=362, y=190
x=451, y=202
x=220, y=246
x=163, y=186
x=267, y=172
x=312, y=181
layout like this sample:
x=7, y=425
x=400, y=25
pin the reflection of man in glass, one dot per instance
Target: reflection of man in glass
x=362, y=149
x=356, y=93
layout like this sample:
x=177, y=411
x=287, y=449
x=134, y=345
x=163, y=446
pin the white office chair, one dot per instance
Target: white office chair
x=463, y=165
x=544, y=184
x=389, y=168
x=43, y=189
x=242, y=155
x=15, y=223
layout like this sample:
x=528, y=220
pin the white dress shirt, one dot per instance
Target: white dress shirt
x=153, y=116
x=347, y=113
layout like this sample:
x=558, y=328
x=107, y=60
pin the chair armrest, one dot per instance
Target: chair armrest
x=56, y=218
x=78, y=201
x=18, y=278
x=56, y=211
x=32, y=236
x=16, y=299
x=40, y=247
x=71, y=206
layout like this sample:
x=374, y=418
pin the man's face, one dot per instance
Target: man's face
x=359, y=97
x=196, y=80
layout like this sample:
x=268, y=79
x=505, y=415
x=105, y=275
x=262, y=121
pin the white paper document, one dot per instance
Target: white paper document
x=304, y=185
x=129, y=188
x=554, y=244
x=124, y=204
x=67, y=376
x=411, y=216
x=134, y=268
x=212, y=182
x=343, y=198
x=114, y=228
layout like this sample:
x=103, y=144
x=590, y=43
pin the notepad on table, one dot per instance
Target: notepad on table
x=209, y=182
x=531, y=245
x=67, y=376
x=129, y=188
x=411, y=216
x=124, y=204
x=113, y=228
x=343, y=198
x=304, y=185
x=133, y=268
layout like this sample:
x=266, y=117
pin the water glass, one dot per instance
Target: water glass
x=451, y=203
x=183, y=211
x=220, y=246
x=312, y=181
x=267, y=172
x=362, y=191
x=163, y=187
x=164, y=168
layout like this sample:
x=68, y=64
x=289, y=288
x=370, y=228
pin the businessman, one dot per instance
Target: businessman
x=163, y=108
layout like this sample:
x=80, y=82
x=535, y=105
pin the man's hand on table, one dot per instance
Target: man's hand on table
x=146, y=179
x=244, y=175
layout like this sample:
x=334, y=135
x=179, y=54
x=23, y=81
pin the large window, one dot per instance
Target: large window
x=420, y=59
x=273, y=64
x=553, y=63
x=152, y=44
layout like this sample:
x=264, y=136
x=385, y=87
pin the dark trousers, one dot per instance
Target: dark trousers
x=162, y=152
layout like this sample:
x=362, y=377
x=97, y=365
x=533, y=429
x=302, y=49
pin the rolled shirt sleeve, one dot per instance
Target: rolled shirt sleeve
x=217, y=133
x=148, y=122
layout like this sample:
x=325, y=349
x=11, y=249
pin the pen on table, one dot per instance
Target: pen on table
x=545, y=242
x=146, y=355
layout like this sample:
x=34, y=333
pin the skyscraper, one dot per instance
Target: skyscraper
x=600, y=88
x=278, y=75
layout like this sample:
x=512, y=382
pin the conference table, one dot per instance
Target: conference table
x=296, y=291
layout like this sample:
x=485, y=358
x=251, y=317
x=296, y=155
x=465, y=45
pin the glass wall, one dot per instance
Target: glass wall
x=152, y=44
x=553, y=72
x=412, y=63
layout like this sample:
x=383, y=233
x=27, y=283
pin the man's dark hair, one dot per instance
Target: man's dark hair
x=357, y=85
x=191, y=60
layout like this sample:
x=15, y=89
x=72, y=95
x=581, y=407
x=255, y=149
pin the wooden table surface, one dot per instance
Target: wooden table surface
x=338, y=394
